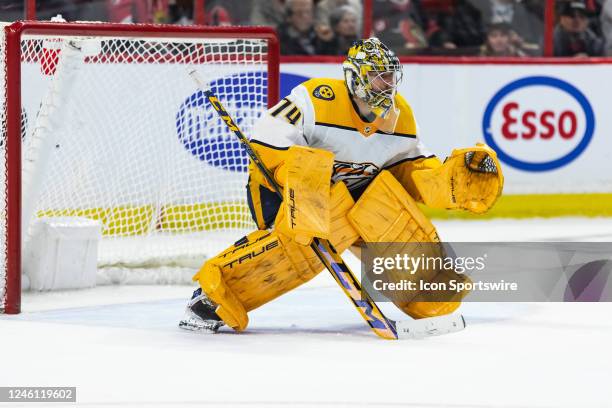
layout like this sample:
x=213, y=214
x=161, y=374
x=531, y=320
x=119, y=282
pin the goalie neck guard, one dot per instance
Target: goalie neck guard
x=372, y=73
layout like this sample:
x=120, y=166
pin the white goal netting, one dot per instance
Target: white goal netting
x=115, y=129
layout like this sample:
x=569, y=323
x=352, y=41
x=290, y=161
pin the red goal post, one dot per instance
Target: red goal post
x=10, y=283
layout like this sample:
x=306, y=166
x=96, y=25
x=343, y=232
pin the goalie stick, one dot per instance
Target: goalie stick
x=378, y=322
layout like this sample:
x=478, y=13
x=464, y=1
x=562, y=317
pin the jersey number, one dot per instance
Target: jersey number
x=289, y=111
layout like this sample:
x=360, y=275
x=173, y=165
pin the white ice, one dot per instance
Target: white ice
x=119, y=345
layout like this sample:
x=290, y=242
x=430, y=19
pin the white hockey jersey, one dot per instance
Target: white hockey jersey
x=320, y=113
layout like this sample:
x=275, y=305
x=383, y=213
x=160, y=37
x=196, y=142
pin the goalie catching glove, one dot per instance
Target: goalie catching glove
x=470, y=179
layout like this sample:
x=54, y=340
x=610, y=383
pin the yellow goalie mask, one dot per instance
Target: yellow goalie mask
x=372, y=73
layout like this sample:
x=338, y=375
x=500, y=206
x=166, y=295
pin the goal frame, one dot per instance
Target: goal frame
x=13, y=34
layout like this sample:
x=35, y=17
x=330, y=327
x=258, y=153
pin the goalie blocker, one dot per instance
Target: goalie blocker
x=267, y=264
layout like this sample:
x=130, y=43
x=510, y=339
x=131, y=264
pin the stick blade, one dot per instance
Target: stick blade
x=431, y=326
x=195, y=75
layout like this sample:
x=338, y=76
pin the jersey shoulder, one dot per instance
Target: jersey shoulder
x=325, y=89
x=311, y=101
x=329, y=99
x=312, y=82
x=333, y=83
x=407, y=123
x=324, y=92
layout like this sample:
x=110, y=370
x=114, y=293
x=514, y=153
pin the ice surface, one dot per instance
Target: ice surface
x=120, y=346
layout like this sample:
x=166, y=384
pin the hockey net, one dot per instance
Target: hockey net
x=112, y=128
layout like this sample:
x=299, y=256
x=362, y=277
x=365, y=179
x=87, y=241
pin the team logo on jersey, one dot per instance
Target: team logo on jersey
x=354, y=174
x=324, y=92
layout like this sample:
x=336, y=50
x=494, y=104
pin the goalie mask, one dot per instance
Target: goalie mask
x=372, y=73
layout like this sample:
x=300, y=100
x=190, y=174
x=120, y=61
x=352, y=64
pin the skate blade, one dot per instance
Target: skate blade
x=197, y=327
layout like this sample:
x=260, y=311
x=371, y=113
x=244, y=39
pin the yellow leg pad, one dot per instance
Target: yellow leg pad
x=230, y=309
x=386, y=213
x=269, y=264
x=306, y=194
x=435, y=303
x=421, y=310
x=343, y=234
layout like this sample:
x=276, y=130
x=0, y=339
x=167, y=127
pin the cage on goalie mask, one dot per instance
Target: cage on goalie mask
x=372, y=73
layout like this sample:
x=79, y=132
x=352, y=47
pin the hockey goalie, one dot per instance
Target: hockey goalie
x=351, y=166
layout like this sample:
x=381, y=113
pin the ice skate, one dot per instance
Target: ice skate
x=200, y=314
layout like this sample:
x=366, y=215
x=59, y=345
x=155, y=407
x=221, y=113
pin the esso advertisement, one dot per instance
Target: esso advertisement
x=538, y=123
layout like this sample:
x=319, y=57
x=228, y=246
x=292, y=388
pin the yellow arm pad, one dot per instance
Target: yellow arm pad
x=470, y=179
x=403, y=173
x=307, y=193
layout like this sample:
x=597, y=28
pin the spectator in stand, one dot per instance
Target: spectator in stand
x=344, y=22
x=227, y=12
x=463, y=28
x=499, y=42
x=45, y=11
x=218, y=16
x=526, y=26
x=606, y=26
x=268, y=13
x=116, y=11
x=535, y=7
x=297, y=35
x=12, y=10
x=325, y=8
x=594, y=10
x=399, y=24
x=119, y=11
x=572, y=36
x=180, y=12
x=128, y=11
